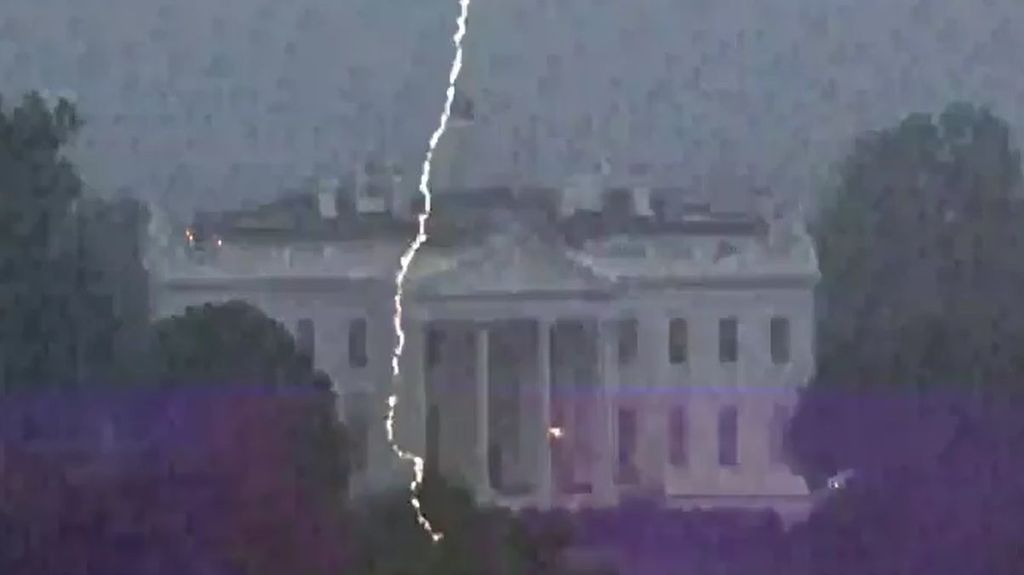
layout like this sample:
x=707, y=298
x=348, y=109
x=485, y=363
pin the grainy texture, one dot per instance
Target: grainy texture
x=213, y=103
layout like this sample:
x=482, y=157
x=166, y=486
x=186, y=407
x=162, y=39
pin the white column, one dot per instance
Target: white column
x=483, y=412
x=604, y=480
x=544, y=480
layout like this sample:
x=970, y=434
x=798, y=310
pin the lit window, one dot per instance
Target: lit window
x=728, y=336
x=677, y=437
x=780, y=340
x=357, y=356
x=677, y=341
x=728, y=436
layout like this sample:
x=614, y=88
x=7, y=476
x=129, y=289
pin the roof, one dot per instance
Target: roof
x=516, y=263
x=503, y=241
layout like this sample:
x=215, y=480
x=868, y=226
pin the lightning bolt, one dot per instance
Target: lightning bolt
x=403, y=271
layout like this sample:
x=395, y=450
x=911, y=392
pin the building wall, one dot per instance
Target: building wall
x=703, y=385
x=649, y=383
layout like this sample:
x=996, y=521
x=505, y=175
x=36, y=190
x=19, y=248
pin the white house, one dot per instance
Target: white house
x=559, y=352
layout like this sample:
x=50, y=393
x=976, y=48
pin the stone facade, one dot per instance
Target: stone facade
x=554, y=356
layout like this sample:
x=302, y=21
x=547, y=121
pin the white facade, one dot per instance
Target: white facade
x=542, y=373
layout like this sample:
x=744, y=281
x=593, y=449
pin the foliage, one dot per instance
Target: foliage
x=938, y=488
x=207, y=483
x=59, y=287
x=233, y=342
x=38, y=187
x=920, y=256
x=388, y=540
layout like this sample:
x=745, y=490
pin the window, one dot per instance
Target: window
x=728, y=436
x=627, y=340
x=358, y=410
x=627, y=445
x=677, y=341
x=434, y=336
x=780, y=340
x=779, y=422
x=305, y=338
x=357, y=356
x=728, y=345
x=677, y=437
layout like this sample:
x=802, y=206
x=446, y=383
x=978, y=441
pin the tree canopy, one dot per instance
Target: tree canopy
x=232, y=342
x=63, y=262
x=920, y=255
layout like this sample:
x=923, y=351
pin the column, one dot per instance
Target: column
x=604, y=481
x=544, y=493
x=483, y=413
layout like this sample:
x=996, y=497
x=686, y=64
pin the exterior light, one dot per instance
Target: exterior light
x=555, y=432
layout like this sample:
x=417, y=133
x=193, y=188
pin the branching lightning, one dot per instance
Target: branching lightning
x=403, y=270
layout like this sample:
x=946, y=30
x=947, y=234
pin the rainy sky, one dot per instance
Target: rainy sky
x=203, y=103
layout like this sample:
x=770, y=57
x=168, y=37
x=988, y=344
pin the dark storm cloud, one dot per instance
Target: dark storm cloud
x=214, y=102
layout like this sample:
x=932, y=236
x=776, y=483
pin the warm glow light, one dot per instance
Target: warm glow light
x=403, y=270
x=555, y=432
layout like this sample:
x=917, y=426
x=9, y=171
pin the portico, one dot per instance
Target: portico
x=560, y=359
x=518, y=398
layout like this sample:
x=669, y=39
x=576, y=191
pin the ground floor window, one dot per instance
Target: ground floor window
x=728, y=436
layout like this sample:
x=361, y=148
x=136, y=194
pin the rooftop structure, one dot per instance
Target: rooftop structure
x=565, y=346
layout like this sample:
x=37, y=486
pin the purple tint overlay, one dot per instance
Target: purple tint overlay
x=160, y=481
x=155, y=415
x=937, y=488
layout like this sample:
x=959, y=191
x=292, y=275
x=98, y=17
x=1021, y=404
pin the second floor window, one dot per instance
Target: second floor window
x=434, y=339
x=305, y=338
x=678, y=341
x=357, y=356
x=627, y=341
x=779, y=340
x=728, y=340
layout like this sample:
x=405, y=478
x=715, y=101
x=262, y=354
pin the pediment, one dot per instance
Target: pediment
x=512, y=266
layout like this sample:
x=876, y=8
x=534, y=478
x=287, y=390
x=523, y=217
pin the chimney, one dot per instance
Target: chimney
x=371, y=194
x=583, y=192
x=327, y=198
x=642, y=202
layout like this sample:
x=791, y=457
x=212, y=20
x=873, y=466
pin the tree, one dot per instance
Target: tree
x=206, y=481
x=387, y=540
x=72, y=286
x=938, y=487
x=236, y=344
x=233, y=342
x=38, y=186
x=920, y=255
